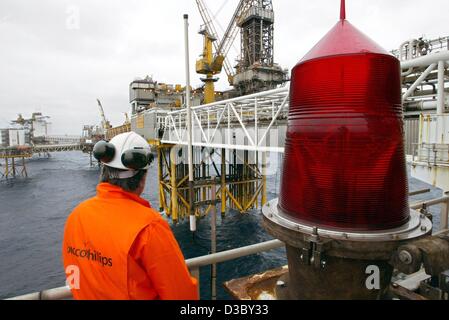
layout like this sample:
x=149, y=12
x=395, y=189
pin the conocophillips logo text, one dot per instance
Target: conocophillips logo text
x=90, y=255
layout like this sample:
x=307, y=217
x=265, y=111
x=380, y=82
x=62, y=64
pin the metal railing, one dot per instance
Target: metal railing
x=56, y=148
x=433, y=153
x=252, y=116
x=421, y=47
x=444, y=215
x=195, y=264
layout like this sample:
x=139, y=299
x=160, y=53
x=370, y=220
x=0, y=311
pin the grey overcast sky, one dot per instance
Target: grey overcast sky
x=51, y=64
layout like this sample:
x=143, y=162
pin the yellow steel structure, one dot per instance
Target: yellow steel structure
x=224, y=44
x=112, y=132
x=14, y=164
x=209, y=66
x=238, y=184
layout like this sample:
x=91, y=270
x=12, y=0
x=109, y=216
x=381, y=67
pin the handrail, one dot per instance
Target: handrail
x=233, y=254
x=193, y=264
x=430, y=203
x=62, y=293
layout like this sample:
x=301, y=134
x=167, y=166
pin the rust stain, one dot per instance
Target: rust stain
x=260, y=286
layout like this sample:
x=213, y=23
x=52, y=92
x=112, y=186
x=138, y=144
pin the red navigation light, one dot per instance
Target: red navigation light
x=344, y=156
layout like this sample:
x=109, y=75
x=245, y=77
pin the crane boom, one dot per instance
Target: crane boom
x=232, y=30
x=104, y=122
x=210, y=27
x=223, y=46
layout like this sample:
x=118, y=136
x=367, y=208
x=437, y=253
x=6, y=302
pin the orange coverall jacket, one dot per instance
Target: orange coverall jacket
x=116, y=247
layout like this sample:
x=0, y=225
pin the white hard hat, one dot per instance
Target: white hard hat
x=127, y=151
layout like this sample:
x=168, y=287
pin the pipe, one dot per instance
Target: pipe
x=425, y=61
x=418, y=81
x=421, y=105
x=407, y=56
x=189, y=125
x=441, y=93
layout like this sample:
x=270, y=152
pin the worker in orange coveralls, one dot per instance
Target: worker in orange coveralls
x=116, y=247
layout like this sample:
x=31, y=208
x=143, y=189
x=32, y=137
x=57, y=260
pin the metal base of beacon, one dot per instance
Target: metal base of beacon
x=327, y=264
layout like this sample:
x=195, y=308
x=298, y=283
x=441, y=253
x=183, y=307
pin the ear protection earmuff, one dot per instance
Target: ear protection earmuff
x=137, y=159
x=134, y=159
x=104, y=151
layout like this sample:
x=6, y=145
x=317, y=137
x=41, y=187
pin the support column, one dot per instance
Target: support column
x=203, y=177
x=444, y=221
x=24, y=169
x=441, y=107
x=441, y=102
x=13, y=163
x=223, y=182
x=213, y=225
x=264, y=179
x=6, y=168
x=174, y=186
x=159, y=171
x=246, y=185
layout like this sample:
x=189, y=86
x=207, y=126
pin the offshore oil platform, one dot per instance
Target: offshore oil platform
x=26, y=137
x=338, y=128
x=235, y=172
x=32, y=136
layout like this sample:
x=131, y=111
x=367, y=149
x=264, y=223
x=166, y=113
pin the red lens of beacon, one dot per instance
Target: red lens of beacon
x=344, y=164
